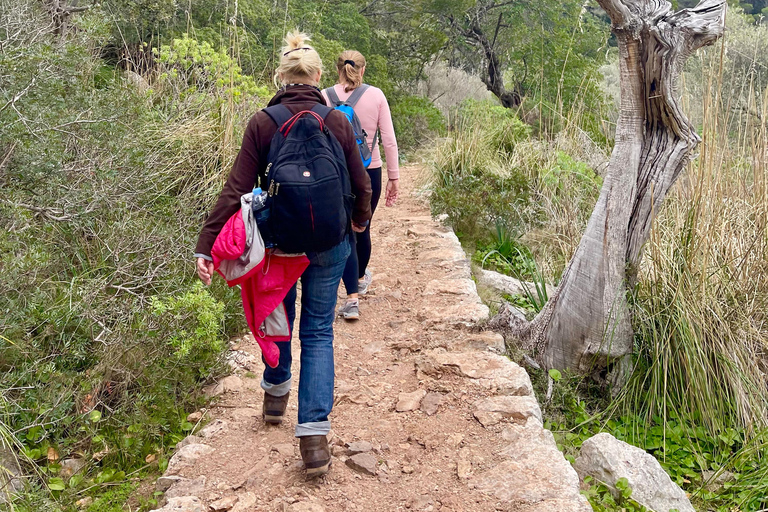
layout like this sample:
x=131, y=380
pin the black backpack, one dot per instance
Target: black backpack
x=347, y=107
x=307, y=182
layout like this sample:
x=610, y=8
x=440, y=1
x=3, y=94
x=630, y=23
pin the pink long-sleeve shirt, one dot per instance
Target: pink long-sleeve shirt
x=373, y=111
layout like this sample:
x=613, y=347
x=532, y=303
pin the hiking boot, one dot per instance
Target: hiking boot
x=350, y=310
x=365, y=282
x=315, y=454
x=274, y=408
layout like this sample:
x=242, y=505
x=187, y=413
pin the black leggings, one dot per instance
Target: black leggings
x=361, y=242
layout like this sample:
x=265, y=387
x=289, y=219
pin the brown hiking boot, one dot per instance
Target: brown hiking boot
x=274, y=408
x=315, y=454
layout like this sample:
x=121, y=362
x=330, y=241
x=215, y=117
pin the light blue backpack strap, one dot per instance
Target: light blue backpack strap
x=333, y=97
x=355, y=96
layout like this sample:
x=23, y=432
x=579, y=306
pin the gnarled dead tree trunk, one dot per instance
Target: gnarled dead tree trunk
x=586, y=324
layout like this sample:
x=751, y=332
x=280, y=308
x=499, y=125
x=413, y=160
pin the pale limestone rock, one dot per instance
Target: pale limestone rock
x=359, y=447
x=494, y=372
x=191, y=439
x=233, y=383
x=451, y=287
x=213, y=428
x=410, y=401
x=224, y=504
x=447, y=255
x=509, y=285
x=187, y=455
x=463, y=469
x=487, y=340
x=431, y=403
x=246, y=502
x=166, y=481
x=186, y=487
x=467, y=313
x=363, y=463
x=183, y=504
x=606, y=459
x=490, y=411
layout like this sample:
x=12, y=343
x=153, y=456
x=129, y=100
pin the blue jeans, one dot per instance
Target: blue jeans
x=319, y=286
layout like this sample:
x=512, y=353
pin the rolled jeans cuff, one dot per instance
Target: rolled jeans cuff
x=314, y=428
x=276, y=389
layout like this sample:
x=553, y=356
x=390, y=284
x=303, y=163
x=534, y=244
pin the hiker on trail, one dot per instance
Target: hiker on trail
x=299, y=74
x=372, y=110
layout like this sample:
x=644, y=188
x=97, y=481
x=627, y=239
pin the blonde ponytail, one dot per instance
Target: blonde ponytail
x=350, y=65
x=298, y=60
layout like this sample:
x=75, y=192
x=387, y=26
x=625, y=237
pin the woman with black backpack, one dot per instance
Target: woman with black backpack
x=299, y=74
x=372, y=114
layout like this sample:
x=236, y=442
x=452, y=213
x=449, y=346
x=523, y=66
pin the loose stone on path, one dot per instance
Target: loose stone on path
x=410, y=401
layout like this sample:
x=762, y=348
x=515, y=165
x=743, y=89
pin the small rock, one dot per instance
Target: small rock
x=165, y=482
x=233, y=383
x=364, y=463
x=188, y=455
x=431, y=403
x=359, y=447
x=192, y=439
x=183, y=504
x=195, y=417
x=224, y=504
x=186, y=487
x=487, y=340
x=213, y=428
x=246, y=502
x=714, y=483
x=284, y=449
x=306, y=506
x=463, y=469
x=9, y=481
x=410, y=401
x=84, y=502
x=407, y=470
x=338, y=451
x=70, y=467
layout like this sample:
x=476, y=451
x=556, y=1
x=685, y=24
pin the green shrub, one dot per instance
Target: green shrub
x=417, y=121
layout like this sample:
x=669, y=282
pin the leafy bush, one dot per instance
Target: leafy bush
x=417, y=121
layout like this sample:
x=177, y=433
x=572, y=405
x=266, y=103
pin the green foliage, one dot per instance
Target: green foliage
x=193, y=323
x=204, y=69
x=417, y=121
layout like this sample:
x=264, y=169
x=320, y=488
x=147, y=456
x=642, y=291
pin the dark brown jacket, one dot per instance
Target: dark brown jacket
x=252, y=162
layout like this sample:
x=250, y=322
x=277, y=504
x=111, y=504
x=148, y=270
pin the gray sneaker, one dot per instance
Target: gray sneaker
x=365, y=282
x=350, y=311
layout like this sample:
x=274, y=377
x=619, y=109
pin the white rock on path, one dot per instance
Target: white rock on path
x=490, y=411
x=186, y=487
x=508, y=285
x=233, y=383
x=224, y=504
x=606, y=459
x=410, y=401
x=494, y=372
x=183, y=504
x=187, y=456
x=364, y=463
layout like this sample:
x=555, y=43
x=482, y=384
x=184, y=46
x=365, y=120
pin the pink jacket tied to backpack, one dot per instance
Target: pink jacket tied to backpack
x=265, y=277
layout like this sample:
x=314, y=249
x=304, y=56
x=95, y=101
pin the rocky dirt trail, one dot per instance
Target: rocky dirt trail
x=428, y=415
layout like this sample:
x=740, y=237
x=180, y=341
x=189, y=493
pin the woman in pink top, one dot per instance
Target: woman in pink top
x=373, y=112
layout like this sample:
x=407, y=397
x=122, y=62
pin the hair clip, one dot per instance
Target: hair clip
x=305, y=48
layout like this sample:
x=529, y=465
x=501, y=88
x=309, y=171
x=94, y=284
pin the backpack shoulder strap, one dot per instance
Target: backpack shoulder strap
x=322, y=110
x=331, y=92
x=355, y=96
x=279, y=114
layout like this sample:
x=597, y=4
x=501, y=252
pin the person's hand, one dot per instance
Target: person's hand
x=204, y=270
x=357, y=228
x=393, y=189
